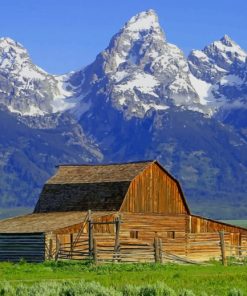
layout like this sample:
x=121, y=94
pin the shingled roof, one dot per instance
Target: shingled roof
x=83, y=187
x=44, y=222
x=78, y=174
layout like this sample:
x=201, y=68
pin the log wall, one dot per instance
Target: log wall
x=199, y=224
x=145, y=227
x=27, y=246
x=205, y=246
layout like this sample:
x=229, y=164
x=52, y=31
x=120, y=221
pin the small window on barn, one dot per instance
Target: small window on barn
x=171, y=234
x=134, y=234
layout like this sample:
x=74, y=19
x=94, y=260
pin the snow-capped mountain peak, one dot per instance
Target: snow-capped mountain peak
x=227, y=40
x=27, y=89
x=12, y=54
x=143, y=70
x=7, y=43
x=138, y=71
x=227, y=50
x=216, y=73
x=144, y=21
x=216, y=59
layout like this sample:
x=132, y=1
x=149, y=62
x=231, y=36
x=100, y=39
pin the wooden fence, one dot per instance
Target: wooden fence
x=101, y=240
x=199, y=248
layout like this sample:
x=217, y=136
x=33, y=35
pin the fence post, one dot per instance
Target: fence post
x=240, y=245
x=50, y=249
x=156, y=250
x=71, y=245
x=116, y=247
x=90, y=233
x=223, y=249
x=160, y=251
x=57, y=248
x=95, y=255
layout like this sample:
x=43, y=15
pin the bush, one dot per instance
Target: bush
x=130, y=290
x=235, y=292
x=158, y=289
x=163, y=290
x=22, y=290
x=186, y=292
x=6, y=289
x=78, y=288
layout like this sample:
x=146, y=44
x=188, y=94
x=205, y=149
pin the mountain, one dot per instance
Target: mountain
x=218, y=74
x=140, y=99
x=29, y=154
x=140, y=70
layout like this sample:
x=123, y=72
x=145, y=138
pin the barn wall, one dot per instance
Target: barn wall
x=145, y=227
x=206, y=246
x=154, y=191
x=199, y=224
x=27, y=246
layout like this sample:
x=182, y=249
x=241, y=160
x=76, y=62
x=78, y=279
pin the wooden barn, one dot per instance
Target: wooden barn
x=119, y=212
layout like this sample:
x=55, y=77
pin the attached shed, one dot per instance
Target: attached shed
x=146, y=198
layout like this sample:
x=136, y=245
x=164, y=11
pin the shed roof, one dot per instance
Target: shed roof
x=77, y=174
x=44, y=222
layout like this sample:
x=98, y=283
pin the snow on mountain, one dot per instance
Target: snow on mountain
x=25, y=88
x=137, y=72
x=140, y=70
x=216, y=59
x=215, y=73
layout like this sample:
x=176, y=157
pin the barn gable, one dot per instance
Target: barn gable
x=83, y=187
x=154, y=190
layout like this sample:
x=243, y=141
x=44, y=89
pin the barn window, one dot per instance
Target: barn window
x=171, y=234
x=134, y=234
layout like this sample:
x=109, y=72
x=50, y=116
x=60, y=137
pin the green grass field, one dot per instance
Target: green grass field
x=212, y=279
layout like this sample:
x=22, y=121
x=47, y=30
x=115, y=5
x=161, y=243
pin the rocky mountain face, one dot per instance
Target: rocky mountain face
x=140, y=99
x=218, y=74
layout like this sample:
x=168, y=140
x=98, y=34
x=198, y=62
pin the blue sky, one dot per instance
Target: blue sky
x=66, y=35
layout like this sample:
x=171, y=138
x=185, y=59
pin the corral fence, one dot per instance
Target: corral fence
x=195, y=248
x=221, y=245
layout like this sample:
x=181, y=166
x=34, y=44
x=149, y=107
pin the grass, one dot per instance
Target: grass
x=214, y=279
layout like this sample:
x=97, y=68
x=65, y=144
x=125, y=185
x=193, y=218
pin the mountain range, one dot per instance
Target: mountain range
x=141, y=98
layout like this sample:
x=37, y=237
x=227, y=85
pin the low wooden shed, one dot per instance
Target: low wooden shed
x=131, y=206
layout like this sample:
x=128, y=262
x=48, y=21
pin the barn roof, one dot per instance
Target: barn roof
x=77, y=174
x=83, y=187
x=96, y=187
x=44, y=222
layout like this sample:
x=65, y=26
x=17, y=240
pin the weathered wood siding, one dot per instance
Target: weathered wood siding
x=199, y=224
x=206, y=246
x=154, y=191
x=27, y=246
x=145, y=227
